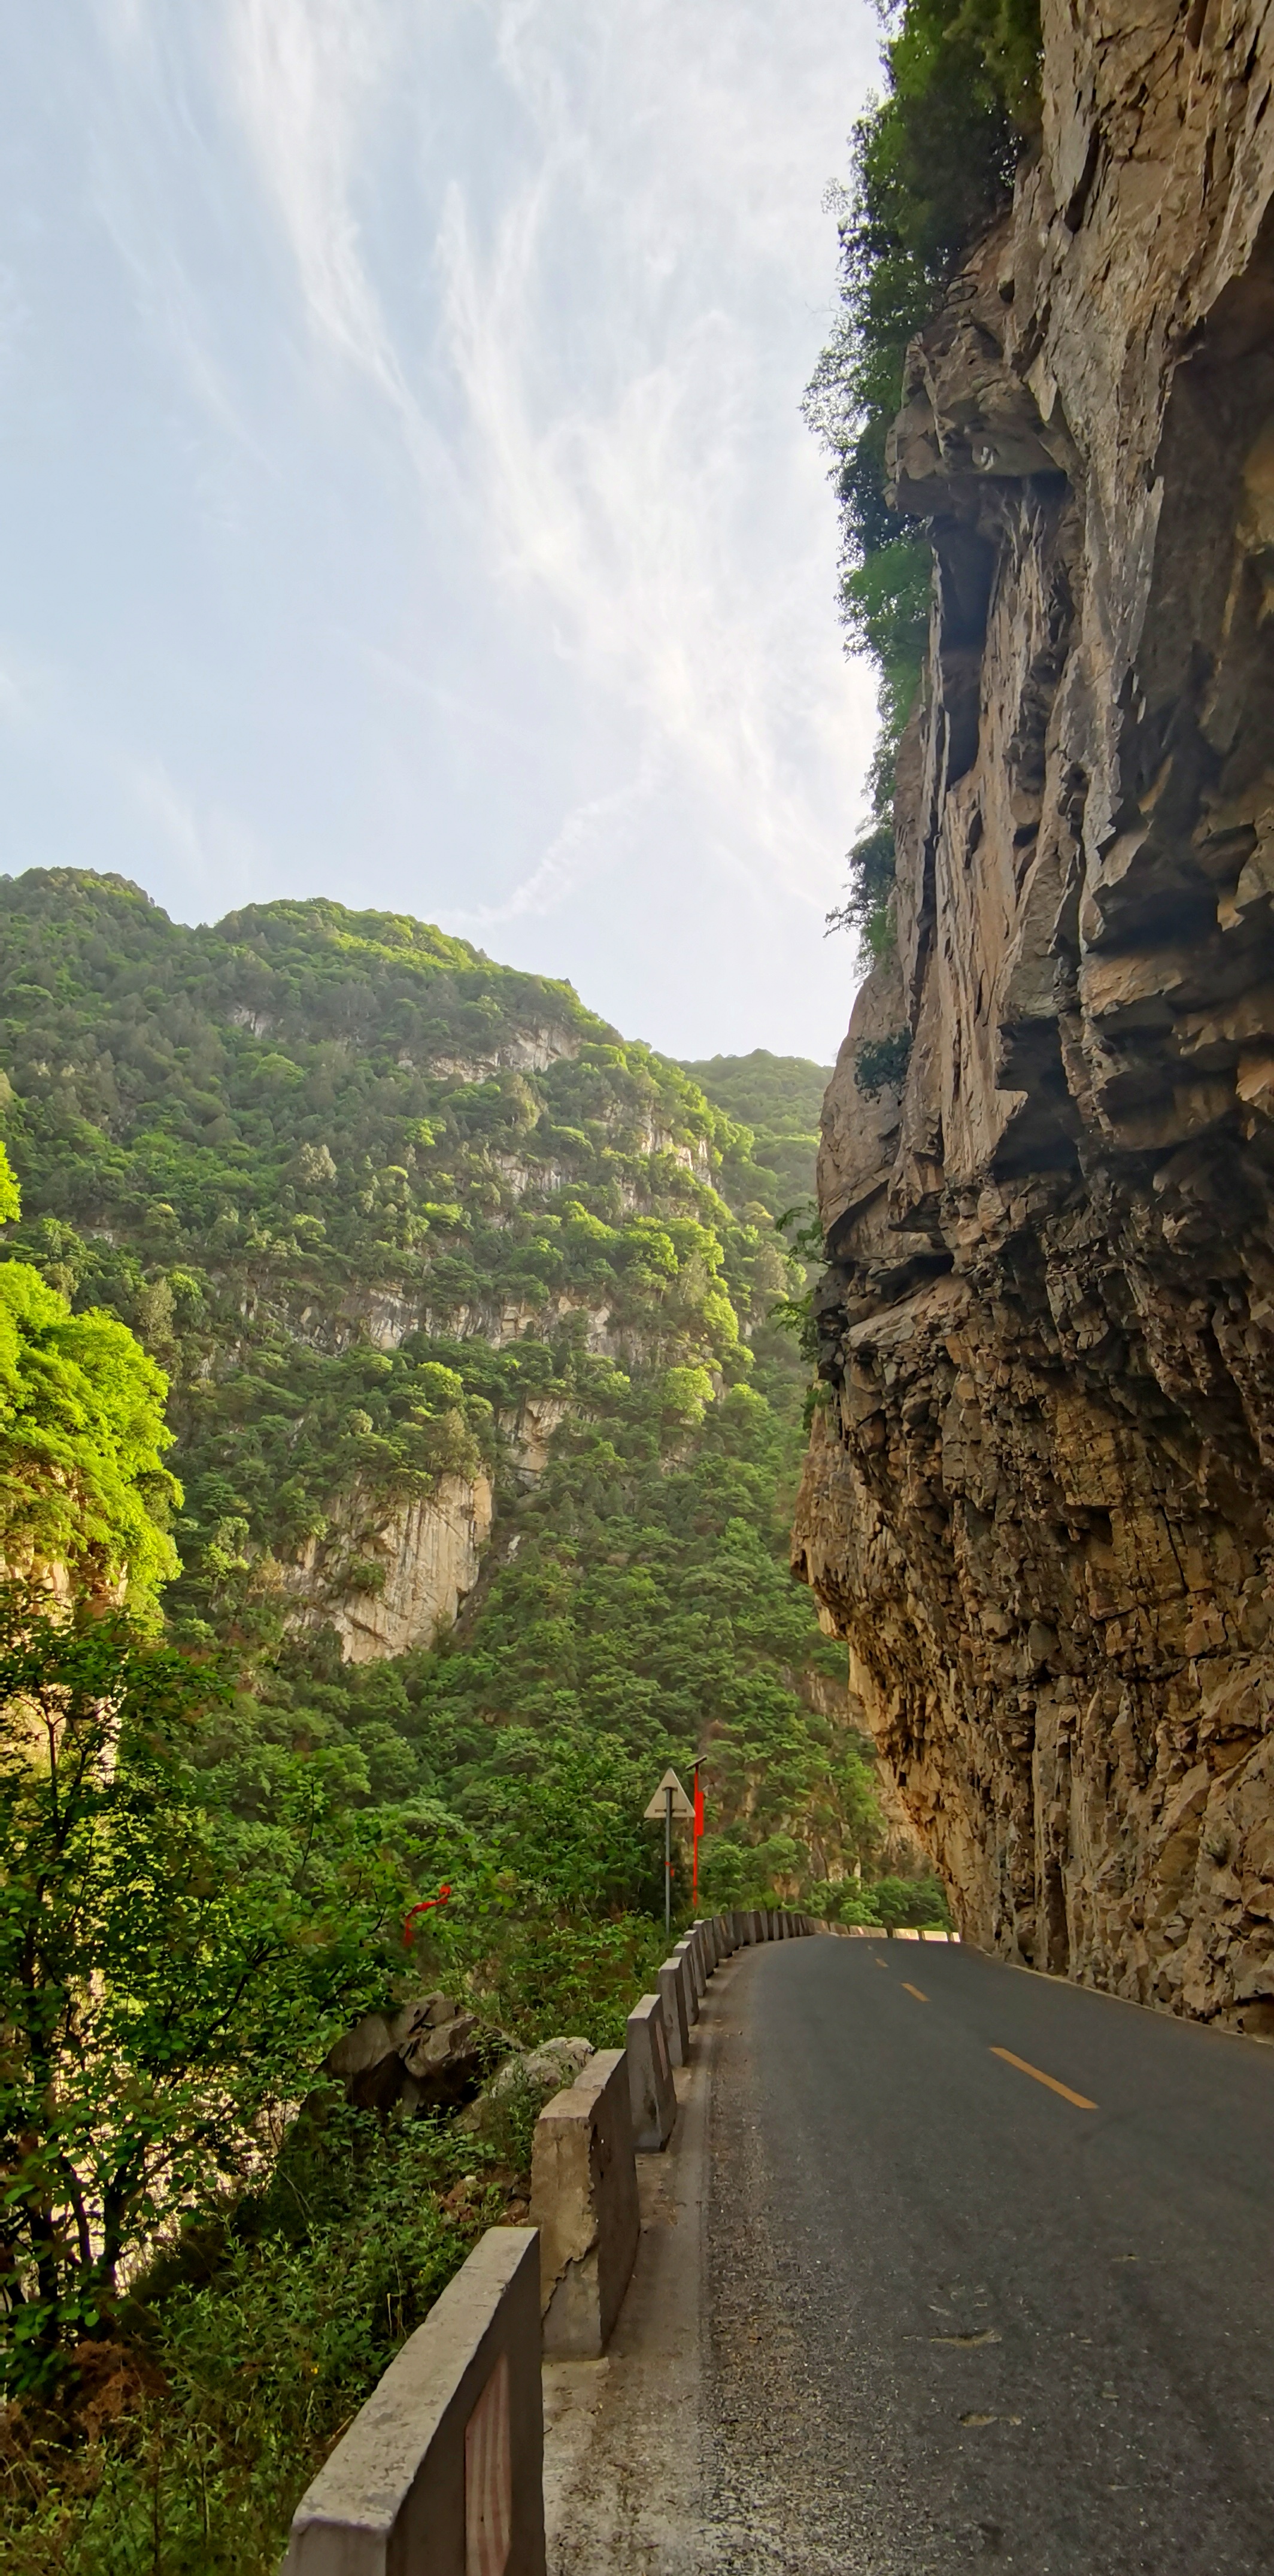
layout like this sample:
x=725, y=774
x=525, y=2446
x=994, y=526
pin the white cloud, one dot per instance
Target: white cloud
x=595, y=837
x=620, y=484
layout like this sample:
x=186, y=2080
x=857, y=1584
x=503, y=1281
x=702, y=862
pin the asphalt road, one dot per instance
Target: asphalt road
x=952, y=2314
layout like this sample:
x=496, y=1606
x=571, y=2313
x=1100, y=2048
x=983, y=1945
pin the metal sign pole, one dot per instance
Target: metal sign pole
x=668, y=1801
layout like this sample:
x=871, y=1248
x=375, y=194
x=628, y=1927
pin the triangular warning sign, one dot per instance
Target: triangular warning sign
x=658, y=1807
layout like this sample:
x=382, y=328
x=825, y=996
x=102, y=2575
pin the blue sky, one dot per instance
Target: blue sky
x=403, y=493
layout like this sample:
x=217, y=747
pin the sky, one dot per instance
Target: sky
x=403, y=491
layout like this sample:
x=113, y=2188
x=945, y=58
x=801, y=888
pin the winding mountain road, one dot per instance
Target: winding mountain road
x=988, y=2275
x=946, y=2263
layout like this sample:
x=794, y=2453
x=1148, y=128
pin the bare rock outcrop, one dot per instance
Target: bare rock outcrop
x=387, y=1577
x=428, y=2055
x=1040, y=1497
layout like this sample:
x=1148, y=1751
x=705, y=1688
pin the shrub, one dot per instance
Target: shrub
x=931, y=164
x=881, y=1063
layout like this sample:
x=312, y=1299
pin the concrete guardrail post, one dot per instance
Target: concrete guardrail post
x=725, y=1934
x=684, y=1959
x=689, y=1950
x=584, y=2202
x=707, y=1940
x=651, y=2092
x=672, y=1996
x=442, y=2471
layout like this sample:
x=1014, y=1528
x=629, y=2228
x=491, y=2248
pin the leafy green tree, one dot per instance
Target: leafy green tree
x=166, y=1972
x=82, y=1437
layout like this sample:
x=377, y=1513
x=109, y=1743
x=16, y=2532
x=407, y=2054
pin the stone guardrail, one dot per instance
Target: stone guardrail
x=441, y=2472
x=584, y=2203
x=651, y=2092
x=583, y=2170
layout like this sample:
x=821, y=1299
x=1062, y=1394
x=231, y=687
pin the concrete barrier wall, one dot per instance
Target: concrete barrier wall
x=651, y=2092
x=584, y=2202
x=441, y=2472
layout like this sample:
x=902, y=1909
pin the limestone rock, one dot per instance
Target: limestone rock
x=544, y=2069
x=415, y=1564
x=429, y=2055
x=1040, y=1505
x=533, y=2074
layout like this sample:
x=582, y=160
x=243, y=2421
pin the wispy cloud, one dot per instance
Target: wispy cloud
x=310, y=77
x=598, y=835
x=620, y=484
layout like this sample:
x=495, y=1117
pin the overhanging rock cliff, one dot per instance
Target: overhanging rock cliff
x=1040, y=1500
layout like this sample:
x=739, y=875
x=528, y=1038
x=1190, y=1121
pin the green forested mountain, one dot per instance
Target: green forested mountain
x=778, y=1098
x=421, y=1241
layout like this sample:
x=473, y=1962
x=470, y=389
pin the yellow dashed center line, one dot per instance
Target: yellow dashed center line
x=1080, y=2100
x=914, y=1990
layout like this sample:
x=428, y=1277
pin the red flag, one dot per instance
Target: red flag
x=426, y=1902
x=698, y=1831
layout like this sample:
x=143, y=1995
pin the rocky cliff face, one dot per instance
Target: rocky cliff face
x=387, y=1577
x=1039, y=1499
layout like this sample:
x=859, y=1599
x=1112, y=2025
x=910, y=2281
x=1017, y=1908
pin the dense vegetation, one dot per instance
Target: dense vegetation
x=387, y=1214
x=387, y=1224
x=931, y=165
x=777, y=1101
